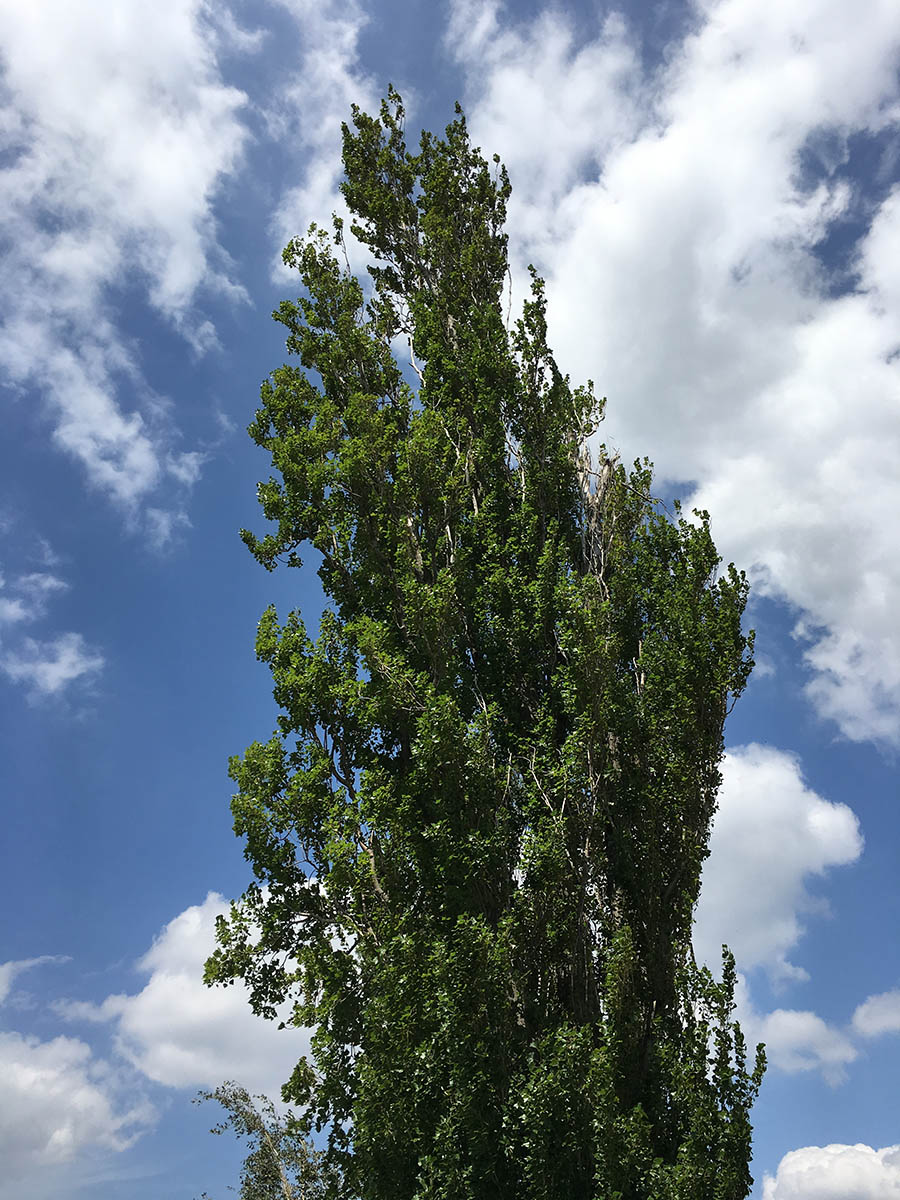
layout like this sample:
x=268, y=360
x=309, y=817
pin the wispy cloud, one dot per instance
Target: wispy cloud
x=10, y=971
x=25, y=597
x=118, y=133
x=46, y=666
x=308, y=111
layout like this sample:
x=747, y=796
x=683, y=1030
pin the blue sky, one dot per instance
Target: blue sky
x=712, y=191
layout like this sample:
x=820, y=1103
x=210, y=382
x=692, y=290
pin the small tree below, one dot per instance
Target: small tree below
x=281, y=1164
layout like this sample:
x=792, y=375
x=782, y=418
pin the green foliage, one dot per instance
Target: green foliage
x=281, y=1163
x=478, y=831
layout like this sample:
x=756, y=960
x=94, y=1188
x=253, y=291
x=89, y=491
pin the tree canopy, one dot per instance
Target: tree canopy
x=477, y=833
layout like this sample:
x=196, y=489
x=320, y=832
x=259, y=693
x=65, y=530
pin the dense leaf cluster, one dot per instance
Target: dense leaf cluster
x=478, y=831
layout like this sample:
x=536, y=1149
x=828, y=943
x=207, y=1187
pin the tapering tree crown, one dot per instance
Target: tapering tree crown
x=478, y=830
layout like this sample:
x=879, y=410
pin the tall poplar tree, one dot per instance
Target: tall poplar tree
x=478, y=831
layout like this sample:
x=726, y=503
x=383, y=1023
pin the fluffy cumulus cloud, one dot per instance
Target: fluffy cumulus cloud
x=799, y=1041
x=836, y=1173
x=59, y=1101
x=63, y=1103
x=117, y=134
x=771, y=835
x=179, y=1033
x=677, y=215
x=878, y=1014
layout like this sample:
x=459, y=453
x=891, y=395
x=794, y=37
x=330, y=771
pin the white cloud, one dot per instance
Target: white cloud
x=25, y=597
x=836, y=1173
x=10, y=971
x=677, y=229
x=182, y=1034
x=12, y=611
x=161, y=523
x=310, y=108
x=538, y=85
x=796, y=1040
x=770, y=835
x=233, y=36
x=118, y=133
x=878, y=1014
x=799, y=1041
x=58, y=1101
x=47, y=667
x=61, y=1103
x=185, y=467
